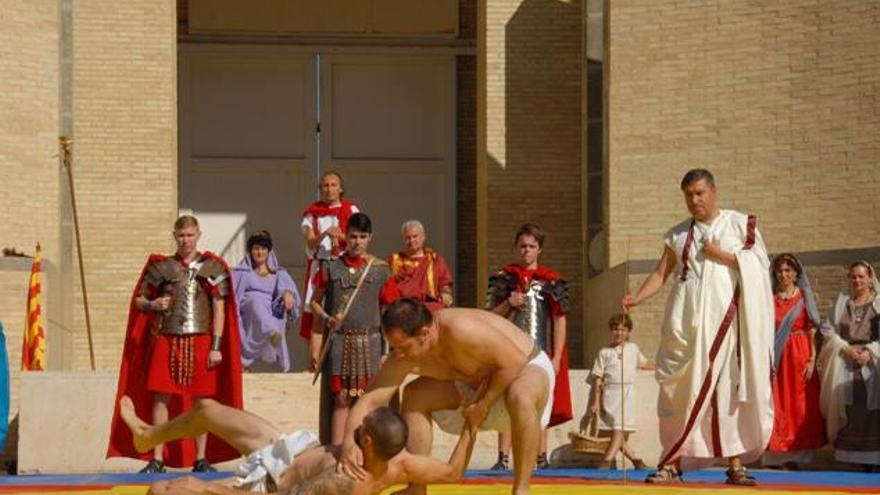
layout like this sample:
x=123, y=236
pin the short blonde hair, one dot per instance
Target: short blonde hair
x=185, y=221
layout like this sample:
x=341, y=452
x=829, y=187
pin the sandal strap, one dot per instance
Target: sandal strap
x=740, y=471
x=667, y=472
x=740, y=476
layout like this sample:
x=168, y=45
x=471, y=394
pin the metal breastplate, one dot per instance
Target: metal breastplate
x=365, y=311
x=532, y=317
x=190, y=310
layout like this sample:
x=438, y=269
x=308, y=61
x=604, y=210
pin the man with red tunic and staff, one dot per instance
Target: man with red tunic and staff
x=323, y=226
x=420, y=272
x=535, y=298
x=182, y=346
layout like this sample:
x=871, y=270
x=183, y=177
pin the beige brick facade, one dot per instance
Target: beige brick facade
x=30, y=167
x=125, y=131
x=779, y=99
x=532, y=94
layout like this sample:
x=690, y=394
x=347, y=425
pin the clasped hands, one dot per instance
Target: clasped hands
x=859, y=356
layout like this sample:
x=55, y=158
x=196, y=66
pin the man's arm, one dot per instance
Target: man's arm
x=654, y=282
x=505, y=372
x=313, y=239
x=712, y=250
x=560, y=334
x=219, y=307
x=194, y=486
x=424, y=470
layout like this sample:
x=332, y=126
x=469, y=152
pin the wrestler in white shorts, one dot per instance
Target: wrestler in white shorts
x=498, y=419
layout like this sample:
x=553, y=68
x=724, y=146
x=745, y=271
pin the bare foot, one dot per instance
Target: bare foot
x=137, y=426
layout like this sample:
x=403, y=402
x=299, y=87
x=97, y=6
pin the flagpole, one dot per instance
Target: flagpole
x=67, y=159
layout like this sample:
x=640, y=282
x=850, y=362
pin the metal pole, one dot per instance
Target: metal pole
x=67, y=159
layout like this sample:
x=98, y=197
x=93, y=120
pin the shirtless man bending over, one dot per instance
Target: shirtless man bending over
x=295, y=463
x=453, y=351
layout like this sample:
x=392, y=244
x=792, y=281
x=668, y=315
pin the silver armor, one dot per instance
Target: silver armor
x=190, y=311
x=533, y=316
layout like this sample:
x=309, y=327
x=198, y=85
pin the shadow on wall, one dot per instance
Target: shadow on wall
x=540, y=180
x=9, y=457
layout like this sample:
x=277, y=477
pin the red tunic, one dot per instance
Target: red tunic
x=317, y=210
x=562, y=411
x=421, y=278
x=797, y=422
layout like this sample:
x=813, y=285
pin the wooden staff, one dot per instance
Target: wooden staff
x=622, y=384
x=67, y=160
x=325, y=345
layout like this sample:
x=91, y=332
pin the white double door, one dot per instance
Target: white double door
x=259, y=124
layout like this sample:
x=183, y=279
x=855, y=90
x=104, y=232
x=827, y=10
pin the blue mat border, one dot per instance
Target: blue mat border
x=766, y=477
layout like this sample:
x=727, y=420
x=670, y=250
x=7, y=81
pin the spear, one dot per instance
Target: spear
x=67, y=160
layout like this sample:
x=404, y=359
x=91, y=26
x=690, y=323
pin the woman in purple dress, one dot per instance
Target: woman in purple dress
x=267, y=299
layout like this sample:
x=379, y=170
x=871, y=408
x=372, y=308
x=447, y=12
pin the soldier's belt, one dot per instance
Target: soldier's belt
x=183, y=331
x=357, y=331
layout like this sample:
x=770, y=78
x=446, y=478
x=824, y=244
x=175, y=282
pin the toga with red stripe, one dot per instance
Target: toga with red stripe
x=716, y=351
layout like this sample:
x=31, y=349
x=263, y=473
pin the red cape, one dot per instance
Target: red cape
x=132, y=382
x=320, y=209
x=342, y=212
x=562, y=410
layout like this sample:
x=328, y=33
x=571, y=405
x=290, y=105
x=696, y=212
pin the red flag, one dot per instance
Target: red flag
x=33, y=349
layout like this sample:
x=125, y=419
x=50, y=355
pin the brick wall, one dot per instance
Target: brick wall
x=30, y=167
x=533, y=77
x=125, y=128
x=779, y=99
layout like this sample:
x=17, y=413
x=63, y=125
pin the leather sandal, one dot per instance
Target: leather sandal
x=154, y=466
x=739, y=477
x=542, y=462
x=665, y=474
x=203, y=466
x=638, y=464
x=503, y=463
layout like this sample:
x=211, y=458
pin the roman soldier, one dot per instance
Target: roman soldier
x=349, y=294
x=182, y=345
x=535, y=298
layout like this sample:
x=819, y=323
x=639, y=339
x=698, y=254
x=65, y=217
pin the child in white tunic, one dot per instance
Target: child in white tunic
x=613, y=383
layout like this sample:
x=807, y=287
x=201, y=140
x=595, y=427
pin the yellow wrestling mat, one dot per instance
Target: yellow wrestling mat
x=550, y=482
x=503, y=489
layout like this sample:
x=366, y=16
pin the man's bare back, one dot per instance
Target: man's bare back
x=470, y=343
